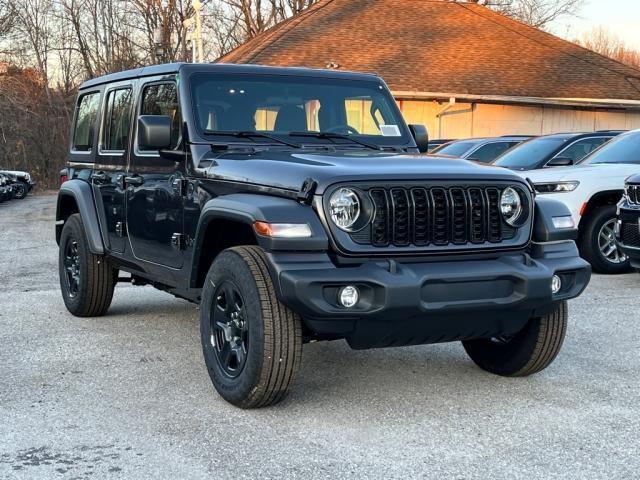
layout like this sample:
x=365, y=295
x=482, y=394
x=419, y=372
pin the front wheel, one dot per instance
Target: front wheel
x=598, y=243
x=529, y=351
x=252, y=344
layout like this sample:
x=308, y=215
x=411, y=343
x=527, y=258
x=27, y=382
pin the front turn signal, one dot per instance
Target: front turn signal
x=282, y=230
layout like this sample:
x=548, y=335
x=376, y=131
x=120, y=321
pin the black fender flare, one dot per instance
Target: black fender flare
x=249, y=208
x=82, y=194
x=543, y=228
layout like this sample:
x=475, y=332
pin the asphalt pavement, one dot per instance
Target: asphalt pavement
x=127, y=396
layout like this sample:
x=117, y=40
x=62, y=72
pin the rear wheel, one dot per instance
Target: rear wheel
x=252, y=344
x=87, y=281
x=598, y=243
x=528, y=351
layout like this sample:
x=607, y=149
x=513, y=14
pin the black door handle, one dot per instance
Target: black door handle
x=134, y=180
x=99, y=177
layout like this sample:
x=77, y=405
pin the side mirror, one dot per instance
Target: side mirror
x=421, y=136
x=154, y=132
x=560, y=162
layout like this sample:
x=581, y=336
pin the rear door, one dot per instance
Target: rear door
x=154, y=183
x=111, y=163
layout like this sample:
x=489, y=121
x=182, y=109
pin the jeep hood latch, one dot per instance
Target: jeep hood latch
x=307, y=191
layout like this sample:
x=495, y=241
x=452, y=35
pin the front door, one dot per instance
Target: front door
x=153, y=185
x=111, y=162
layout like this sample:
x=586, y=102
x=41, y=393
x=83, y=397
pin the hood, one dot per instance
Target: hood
x=609, y=172
x=13, y=172
x=288, y=170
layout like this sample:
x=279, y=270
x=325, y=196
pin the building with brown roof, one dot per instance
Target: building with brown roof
x=459, y=68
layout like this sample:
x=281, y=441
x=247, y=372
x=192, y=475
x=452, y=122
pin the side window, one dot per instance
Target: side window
x=582, y=148
x=162, y=99
x=117, y=120
x=489, y=152
x=86, y=113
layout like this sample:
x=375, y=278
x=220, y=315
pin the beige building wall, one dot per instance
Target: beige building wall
x=464, y=120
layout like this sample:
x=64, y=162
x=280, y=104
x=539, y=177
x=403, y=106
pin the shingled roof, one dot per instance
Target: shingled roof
x=436, y=47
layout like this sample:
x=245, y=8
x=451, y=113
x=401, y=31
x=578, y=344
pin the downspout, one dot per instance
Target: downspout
x=443, y=110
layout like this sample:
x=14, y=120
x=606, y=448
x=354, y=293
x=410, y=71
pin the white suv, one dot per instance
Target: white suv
x=591, y=190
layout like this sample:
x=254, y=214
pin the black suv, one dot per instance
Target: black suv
x=628, y=226
x=293, y=205
x=557, y=150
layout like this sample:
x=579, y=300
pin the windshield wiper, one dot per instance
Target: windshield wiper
x=332, y=135
x=249, y=134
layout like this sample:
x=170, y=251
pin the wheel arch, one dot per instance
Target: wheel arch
x=75, y=196
x=228, y=222
x=599, y=199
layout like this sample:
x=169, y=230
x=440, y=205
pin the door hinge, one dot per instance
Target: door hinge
x=177, y=241
x=121, y=229
x=180, y=186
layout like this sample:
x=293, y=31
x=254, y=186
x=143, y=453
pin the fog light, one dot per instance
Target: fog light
x=556, y=284
x=348, y=296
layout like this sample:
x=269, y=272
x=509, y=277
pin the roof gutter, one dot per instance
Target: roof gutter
x=558, y=102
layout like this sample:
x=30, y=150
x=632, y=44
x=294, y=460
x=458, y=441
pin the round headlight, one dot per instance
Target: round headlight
x=511, y=205
x=344, y=208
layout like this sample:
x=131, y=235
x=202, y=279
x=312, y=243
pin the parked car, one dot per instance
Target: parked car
x=288, y=224
x=628, y=226
x=591, y=190
x=24, y=183
x=433, y=144
x=558, y=150
x=483, y=150
x=6, y=188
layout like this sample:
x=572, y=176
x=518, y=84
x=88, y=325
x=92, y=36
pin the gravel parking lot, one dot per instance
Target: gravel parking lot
x=128, y=396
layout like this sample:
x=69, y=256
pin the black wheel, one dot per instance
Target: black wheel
x=598, y=243
x=86, y=280
x=528, y=351
x=252, y=344
x=21, y=190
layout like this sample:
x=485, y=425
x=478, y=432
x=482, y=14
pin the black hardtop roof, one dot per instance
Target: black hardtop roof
x=171, y=68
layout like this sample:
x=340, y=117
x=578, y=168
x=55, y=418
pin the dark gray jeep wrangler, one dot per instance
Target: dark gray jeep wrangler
x=294, y=205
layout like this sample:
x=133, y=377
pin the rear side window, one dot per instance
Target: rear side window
x=86, y=113
x=582, y=148
x=162, y=99
x=117, y=120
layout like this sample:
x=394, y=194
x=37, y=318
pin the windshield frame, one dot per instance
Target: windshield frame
x=405, y=140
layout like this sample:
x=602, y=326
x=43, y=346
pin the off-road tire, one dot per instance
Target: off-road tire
x=274, y=347
x=528, y=351
x=22, y=190
x=589, y=249
x=97, y=278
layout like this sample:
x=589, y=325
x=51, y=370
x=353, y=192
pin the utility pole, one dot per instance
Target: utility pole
x=197, y=6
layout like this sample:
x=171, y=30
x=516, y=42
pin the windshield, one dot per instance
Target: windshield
x=529, y=154
x=455, y=149
x=622, y=149
x=281, y=105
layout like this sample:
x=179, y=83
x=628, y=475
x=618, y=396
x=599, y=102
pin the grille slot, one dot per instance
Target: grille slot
x=438, y=216
x=633, y=193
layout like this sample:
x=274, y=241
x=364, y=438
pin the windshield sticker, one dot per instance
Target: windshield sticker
x=390, y=130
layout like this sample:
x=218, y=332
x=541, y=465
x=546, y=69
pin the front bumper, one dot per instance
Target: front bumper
x=628, y=234
x=429, y=302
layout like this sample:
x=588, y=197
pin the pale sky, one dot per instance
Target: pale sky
x=621, y=17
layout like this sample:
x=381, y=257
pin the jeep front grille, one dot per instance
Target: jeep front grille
x=633, y=194
x=438, y=216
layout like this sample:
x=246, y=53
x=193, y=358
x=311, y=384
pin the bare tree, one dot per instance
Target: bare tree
x=537, y=13
x=606, y=43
